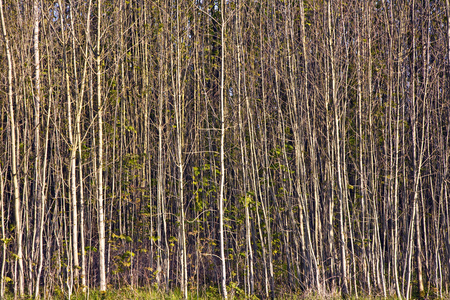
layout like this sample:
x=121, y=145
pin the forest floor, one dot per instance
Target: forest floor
x=212, y=293
x=152, y=294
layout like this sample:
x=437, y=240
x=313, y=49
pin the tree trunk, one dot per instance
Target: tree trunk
x=101, y=214
x=222, y=153
x=12, y=123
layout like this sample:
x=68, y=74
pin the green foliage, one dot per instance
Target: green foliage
x=210, y=292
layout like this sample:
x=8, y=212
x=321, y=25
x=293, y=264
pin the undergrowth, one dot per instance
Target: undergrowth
x=129, y=293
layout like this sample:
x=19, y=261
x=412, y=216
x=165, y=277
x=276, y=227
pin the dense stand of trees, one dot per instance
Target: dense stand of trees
x=253, y=147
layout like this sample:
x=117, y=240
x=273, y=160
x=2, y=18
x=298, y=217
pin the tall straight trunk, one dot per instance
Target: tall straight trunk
x=447, y=5
x=101, y=214
x=372, y=167
x=256, y=185
x=417, y=157
x=222, y=151
x=243, y=147
x=83, y=274
x=160, y=191
x=49, y=240
x=80, y=100
x=43, y=201
x=361, y=157
x=180, y=164
x=311, y=131
x=337, y=138
x=12, y=123
x=72, y=177
x=159, y=174
x=147, y=170
x=266, y=188
x=396, y=203
x=426, y=138
x=329, y=162
x=163, y=245
x=314, y=250
x=179, y=119
x=295, y=119
x=396, y=149
x=37, y=145
x=73, y=153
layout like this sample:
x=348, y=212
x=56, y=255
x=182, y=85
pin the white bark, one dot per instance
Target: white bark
x=78, y=137
x=39, y=191
x=17, y=204
x=101, y=213
x=222, y=154
x=179, y=118
x=248, y=244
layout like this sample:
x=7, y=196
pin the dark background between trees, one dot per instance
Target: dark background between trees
x=267, y=146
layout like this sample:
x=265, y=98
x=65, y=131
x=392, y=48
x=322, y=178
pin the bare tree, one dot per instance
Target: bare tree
x=101, y=212
x=12, y=124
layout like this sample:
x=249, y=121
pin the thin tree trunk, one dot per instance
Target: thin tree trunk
x=73, y=156
x=179, y=120
x=247, y=198
x=88, y=58
x=222, y=152
x=417, y=158
x=17, y=206
x=37, y=128
x=314, y=251
x=101, y=214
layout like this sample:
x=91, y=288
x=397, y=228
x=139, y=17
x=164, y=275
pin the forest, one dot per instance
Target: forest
x=251, y=149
